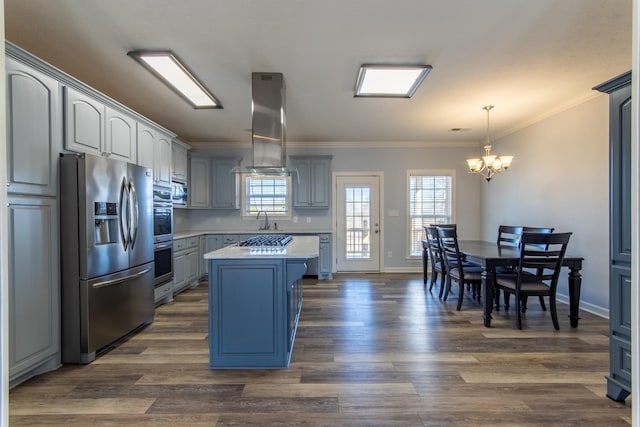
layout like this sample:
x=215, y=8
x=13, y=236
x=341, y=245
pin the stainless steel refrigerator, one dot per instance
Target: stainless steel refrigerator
x=106, y=239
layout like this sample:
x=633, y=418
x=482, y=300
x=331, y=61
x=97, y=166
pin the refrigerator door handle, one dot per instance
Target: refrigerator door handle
x=120, y=280
x=123, y=214
x=133, y=206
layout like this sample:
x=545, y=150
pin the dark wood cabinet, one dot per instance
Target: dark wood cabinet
x=619, y=379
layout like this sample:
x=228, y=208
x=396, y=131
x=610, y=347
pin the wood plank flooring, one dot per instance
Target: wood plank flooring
x=371, y=350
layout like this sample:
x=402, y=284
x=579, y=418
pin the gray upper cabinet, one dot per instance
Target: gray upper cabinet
x=154, y=151
x=120, y=135
x=146, y=144
x=34, y=138
x=179, y=161
x=199, y=175
x=94, y=128
x=84, y=123
x=225, y=183
x=312, y=187
x=162, y=159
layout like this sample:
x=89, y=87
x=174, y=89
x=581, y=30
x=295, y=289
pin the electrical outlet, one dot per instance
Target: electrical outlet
x=295, y=219
x=308, y=220
x=389, y=254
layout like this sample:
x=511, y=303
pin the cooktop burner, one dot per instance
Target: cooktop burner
x=278, y=240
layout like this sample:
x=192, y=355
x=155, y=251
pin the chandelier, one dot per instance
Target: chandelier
x=489, y=164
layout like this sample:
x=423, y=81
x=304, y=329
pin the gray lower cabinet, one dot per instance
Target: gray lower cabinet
x=186, y=263
x=620, y=284
x=34, y=287
x=324, y=259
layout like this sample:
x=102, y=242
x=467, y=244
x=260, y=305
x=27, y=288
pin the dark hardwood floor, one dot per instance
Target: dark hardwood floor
x=371, y=350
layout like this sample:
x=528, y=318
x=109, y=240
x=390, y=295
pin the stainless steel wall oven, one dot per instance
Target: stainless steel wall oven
x=162, y=235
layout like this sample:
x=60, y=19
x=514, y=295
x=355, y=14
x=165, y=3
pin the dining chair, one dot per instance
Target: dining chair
x=507, y=295
x=509, y=235
x=541, y=257
x=457, y=269
x=435, y=255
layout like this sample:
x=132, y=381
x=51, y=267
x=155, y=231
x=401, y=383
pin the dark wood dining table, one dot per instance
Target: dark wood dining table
x=490, y=256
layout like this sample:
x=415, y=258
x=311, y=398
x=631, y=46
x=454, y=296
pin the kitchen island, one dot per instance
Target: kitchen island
x=255, y=299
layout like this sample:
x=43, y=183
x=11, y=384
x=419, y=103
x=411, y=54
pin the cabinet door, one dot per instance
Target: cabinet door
x=162, y=160
x=84, y=123
x=324, y=258
x=120, y=135
x=225, y=184
x=202, y=263
x=34, y=289
x=179, y=271
x=178, y=163
x=146, y=145
x=320, y=182
x=193, y=266
x=33, y=131
x=301, y=183
x=312, y=185
x=199, y=195
x=213, y=243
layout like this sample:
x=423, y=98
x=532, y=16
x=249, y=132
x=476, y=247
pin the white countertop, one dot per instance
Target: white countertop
x=300, y=247
x=183, y=234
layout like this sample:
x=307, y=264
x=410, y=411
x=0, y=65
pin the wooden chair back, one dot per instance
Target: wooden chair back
x=509, y=235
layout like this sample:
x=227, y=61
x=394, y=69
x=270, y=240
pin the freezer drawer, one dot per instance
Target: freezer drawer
x=109, y=307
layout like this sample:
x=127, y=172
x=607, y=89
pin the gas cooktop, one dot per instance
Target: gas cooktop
x=277, y=240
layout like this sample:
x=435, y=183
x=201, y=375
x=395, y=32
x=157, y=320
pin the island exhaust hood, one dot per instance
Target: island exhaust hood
x=268, y=125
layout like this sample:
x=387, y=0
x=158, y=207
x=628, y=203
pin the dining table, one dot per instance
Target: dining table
x=490, y=256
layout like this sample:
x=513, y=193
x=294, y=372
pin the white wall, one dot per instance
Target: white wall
x=560, y=178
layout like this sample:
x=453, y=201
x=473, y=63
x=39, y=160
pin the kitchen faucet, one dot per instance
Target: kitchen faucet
x=266, y=220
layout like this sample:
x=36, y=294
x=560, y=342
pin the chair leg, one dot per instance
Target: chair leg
x=524, y=304
x=507, y=297
x=434, y=277
x=554, y=313
x=460, y=295
x=496, y=299
x=447, y=287
x=544, y=307
x=518, y=312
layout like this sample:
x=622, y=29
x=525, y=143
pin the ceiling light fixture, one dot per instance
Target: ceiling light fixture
x=166, y=66
x=490, y=164
x=390, y=81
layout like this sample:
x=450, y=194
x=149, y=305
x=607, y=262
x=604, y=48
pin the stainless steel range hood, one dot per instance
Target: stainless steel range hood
x=269, y=125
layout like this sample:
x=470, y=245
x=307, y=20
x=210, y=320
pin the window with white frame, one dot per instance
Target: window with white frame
x=430, y=202
x=268, y=194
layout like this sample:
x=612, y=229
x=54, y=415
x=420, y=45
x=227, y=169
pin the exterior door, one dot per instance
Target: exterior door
x=358, y=223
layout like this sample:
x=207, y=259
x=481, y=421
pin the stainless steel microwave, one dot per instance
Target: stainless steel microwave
x=179, y=194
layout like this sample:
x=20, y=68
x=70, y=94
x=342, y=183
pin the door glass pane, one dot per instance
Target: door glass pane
x=358, y=222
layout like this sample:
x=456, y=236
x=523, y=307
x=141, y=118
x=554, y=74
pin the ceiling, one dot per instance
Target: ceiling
x=530, y=59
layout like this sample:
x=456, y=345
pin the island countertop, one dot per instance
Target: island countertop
x=300, y=247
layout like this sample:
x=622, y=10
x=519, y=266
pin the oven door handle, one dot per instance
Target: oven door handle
x=120, y=280
x=168, y=245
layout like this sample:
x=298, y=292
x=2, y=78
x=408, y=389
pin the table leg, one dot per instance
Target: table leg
x=575, y=283
x=487, y=295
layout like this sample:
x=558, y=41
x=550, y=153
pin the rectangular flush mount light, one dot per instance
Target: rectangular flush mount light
x=165, y=66
x=390, y=81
